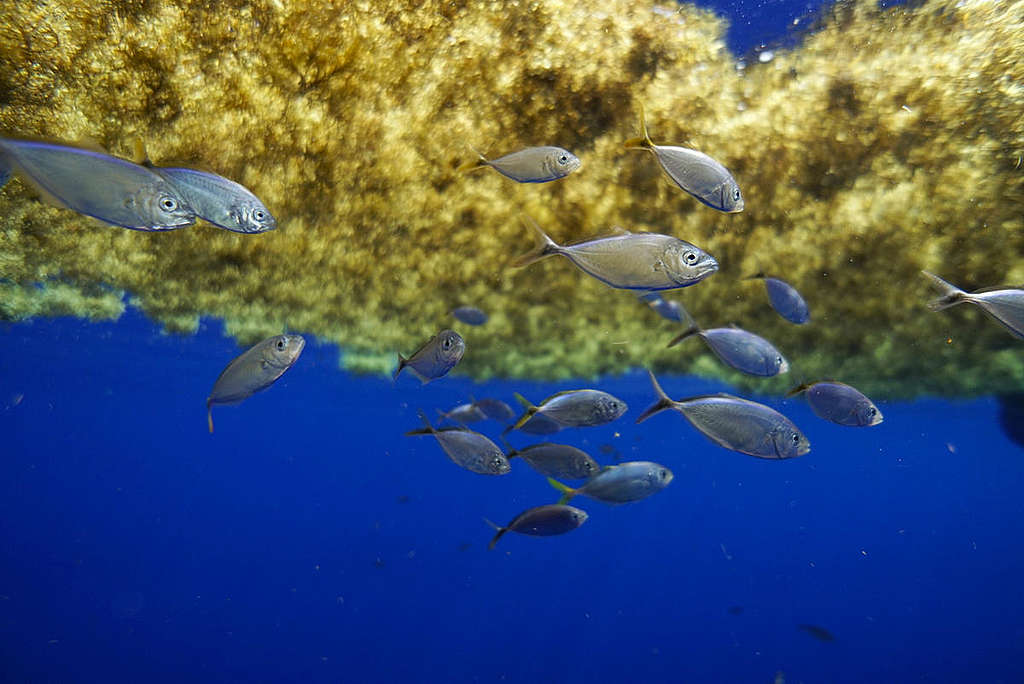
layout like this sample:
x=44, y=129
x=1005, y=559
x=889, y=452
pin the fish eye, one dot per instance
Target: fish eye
x=663, y=474
x=690, y=258
x=168, y=204
x=736, y=194
x=872, y=411
x=446, y=344
x=796, y=438
x=259, y=215
x=280, y=345
x=778, y=360
x=563, y=159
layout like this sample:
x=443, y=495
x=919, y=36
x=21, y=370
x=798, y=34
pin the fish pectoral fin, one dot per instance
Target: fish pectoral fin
x=209, y=415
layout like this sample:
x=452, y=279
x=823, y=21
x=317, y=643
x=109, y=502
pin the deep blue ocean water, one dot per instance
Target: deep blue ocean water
x=309, y=540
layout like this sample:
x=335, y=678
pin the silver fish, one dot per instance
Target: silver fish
x=630, y=261
x=742, y=350
x=541, y=521
x=557, y=460
x=470, y=315
x=222, y=202
x=435, y=358
x=495, y=409
x=532, y=165
x=839, y=403
x=467, y=449
x=619, y=484
x=1005, y=304
x=738, y=424
x=463, y=413
x=694, y=172
x=254, y=370
x=574, y=408
x=785, y=299
x=107, y=188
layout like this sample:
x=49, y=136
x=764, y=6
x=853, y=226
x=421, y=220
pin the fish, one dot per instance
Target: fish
x=495, y=409
x=785, y=299
x=669, y=310
x=646, y=262
x=1011, y=416
x=739, y=349
x=557, y=460
x=467, y=449
x=1005, y=304
x=541, y=521
x=819, y=633
x=694, y=172
x=619, y=484
x=734, y=423
x=839, y=403
x=531, y=165
x=435, y=358
x=539, y=424
x=463, y=413
x=574, y=408
x=470, y=315
x=215, y=199
x=254, y=370
x=107, y=188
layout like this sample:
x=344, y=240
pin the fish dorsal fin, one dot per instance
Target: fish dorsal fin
x=559, y=394
x=141, y=156
x=757, y=276
x=802, y=387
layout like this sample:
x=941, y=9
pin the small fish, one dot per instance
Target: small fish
x=619, y=484
x=786, y=301
x=669, y=310
x=539, y=424
x=254, y=370
x=470, y=315
x=839, y=403
x=467, y=449
x=463, y=413
x=693, y=171
x=742, y=350
x=541, y=521
x=107, y=188
x=738, y=424
x=215, y=199
x=1005, y=304
x=647, y=262
x=574, y=408
x=819, y=633
x=496, y=409
x=557, y=460
x=532, y=165
x=435, y=358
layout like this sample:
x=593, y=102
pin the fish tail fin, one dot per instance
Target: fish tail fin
x=663, y=402
x=141, y=157
x=427, y=428
x=951, y=294
x=689, y=332
x=545, y=246
x=402, y=362
x=474, y=164
x=500, y=532
x=644, y=141
x=509, y=451
x=530, y=410
x=209, y=415
x=567, y=491
x=802, y=387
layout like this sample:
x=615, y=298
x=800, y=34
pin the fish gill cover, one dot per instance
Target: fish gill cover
x=890, y=141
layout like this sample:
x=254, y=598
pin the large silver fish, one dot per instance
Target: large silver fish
x=694, y=172
x=1005, y=304
x=619, y=484
x=646, y=262
x=742, y=350
x=255, y=370
x=839, y=403
x=541, y=521
x=467, y=449
x=107, y=188
x=435, y=358
x=738, y=424
x=574, y=408
x=785, y=299
x=532, y=165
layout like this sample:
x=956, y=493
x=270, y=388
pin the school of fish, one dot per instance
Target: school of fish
x=140, y=195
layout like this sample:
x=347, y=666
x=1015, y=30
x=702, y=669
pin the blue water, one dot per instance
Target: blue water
x=309, y=540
